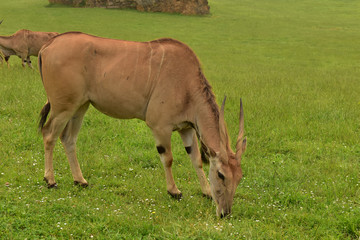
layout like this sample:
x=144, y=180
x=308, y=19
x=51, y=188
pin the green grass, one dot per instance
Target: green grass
x=294, y=63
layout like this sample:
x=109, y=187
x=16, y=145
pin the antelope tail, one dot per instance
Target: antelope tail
x=46, y=109
x=40, y=66
x=43, y=115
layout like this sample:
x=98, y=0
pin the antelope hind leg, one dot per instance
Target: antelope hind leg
x=51, y=132
x=68, y=139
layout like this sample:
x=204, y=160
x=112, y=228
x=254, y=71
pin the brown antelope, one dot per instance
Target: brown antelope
x=159, y=82
x=24, y=43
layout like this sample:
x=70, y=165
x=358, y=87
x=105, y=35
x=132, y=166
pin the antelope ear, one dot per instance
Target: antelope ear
x=243, y=146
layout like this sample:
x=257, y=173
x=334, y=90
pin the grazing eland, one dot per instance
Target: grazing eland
x=159, y=82
x=24, y=43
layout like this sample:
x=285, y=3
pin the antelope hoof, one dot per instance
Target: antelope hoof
x=176, y=196
x=207, y=196
x=50, y=185
x=84, y=185
x=54, y=185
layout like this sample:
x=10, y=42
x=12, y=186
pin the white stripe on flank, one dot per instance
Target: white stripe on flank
x=151, y=51
x=162, y=60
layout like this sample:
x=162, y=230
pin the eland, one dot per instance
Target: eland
x=159, y=82
x=24, y=43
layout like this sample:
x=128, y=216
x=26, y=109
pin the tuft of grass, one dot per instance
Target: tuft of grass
x=295, y=65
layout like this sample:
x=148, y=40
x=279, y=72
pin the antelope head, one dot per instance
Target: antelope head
x=225, y=166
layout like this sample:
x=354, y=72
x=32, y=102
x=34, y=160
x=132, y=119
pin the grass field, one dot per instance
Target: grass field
x=294, y=63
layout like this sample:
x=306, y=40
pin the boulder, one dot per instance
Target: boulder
x=187, y=7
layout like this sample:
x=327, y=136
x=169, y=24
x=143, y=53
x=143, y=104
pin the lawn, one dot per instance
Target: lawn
x=294, y=63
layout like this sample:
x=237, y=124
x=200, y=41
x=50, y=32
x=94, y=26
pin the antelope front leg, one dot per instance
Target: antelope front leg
x=191, y=146
x=163, y=146
x=23, y=62
x=29, y=62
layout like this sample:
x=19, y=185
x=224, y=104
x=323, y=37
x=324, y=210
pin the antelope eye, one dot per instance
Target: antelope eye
x=220, y=175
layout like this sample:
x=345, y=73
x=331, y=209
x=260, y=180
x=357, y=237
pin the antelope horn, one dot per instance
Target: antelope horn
x=222, y=107
x=241, y=121
x=240, y=143
x=1, y=21
x=223, y=133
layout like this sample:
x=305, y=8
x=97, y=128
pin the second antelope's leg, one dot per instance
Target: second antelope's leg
x=51, y=131
x=163, y=145
x=29, y=61
x=7, y=61
x=191, y=146
x=23, y=57
x=68, y=138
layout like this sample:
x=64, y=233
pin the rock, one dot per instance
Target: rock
x=186, y=7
